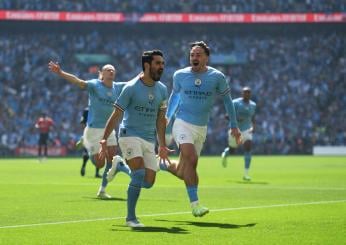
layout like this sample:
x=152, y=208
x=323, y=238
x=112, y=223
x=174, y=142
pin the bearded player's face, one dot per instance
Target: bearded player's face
x=156, y=67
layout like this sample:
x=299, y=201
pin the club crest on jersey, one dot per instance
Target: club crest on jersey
x=151, y=98
x=198, y=82
x=109, y=93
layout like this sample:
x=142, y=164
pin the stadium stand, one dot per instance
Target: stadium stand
x=298, y=79
x=197, y=6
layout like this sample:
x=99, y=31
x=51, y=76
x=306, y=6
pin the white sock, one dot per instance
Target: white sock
x=194, y=204
x=102, y=189
x=246, y=172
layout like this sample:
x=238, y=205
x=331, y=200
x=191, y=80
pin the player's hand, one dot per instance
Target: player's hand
x=103, y=153
x=235, y=132
x=54, y=67
x=163, y=154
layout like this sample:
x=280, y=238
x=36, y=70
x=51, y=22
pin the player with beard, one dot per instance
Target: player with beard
x=142, y=106
x=191, y=100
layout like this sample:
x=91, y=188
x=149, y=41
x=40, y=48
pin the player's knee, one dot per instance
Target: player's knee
x=98, y=162
x=147, y=185
x=190, y=160
x=180, y=175
x=137, y=177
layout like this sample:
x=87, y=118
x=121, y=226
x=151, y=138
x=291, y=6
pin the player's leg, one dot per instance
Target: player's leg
x=190, y=158
x=232, y=145
x=190, y=139
x=247, y=138
x=137, y=177
x=45, y=145
x=91, y=139
x=102, y=190
x=85, y=160
x=175, y=167
x=40, y=147
x=39, y=151
x=118, y=165
x=150, y=164
x=45, y=150
x=97, y=173
x=247, y=159
x=133, y=152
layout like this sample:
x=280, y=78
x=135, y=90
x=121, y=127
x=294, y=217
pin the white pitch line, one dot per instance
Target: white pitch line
x=248, y=186
x=174, y=213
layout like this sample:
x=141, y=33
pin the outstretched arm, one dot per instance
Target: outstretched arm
x=55, y=67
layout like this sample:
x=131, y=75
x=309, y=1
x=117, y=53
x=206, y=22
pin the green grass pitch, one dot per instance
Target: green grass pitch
x=291, y=200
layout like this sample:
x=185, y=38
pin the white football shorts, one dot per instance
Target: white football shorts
x=245, y=135
x=92, y=137
x=184, y=132
x=132, y=147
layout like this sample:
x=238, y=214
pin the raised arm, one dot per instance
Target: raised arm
x=55, y=68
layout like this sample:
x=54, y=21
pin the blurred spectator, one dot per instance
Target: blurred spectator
x=298, y=83
x=44, y=125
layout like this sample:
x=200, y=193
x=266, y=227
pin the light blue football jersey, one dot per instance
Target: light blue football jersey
x=245, y=112
x=141, y=104
x=197, y=93
x=101, y=101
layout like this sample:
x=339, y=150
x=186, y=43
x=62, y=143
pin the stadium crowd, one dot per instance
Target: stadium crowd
x=298, y=83
x=198, y=6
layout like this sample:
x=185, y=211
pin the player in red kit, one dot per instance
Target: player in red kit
x=44, y=124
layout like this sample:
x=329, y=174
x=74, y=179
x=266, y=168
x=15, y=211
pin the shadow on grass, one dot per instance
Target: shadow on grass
x=109, y=199
x=249, y=182
x=173, y=230
x=209, y=224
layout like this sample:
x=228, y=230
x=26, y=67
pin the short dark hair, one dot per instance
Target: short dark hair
x=148, y=56
x=201, y=44
x=247, y=88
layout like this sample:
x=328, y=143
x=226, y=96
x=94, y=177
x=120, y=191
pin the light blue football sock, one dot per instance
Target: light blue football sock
x=137, y=177
x=122, y=167
x=104, y=176
x=247, y=159
x=192, y=192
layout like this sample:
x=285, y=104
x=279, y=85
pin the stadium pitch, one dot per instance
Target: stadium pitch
x=291, y=200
